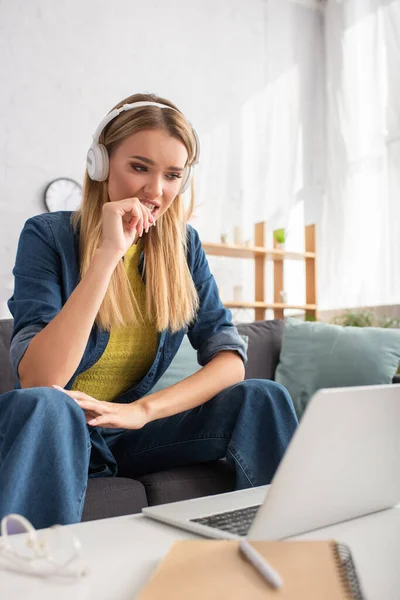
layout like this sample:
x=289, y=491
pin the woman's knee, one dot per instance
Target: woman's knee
x=265, y=392
x=45, y=403
x=260, y=387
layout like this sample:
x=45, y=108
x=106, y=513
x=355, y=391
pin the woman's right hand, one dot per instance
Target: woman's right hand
x=121, y=221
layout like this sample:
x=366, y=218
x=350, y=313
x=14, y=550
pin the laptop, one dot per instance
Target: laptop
x=343, y=462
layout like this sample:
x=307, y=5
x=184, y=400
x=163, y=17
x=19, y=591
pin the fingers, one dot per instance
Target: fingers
x=95, y=406
x=97, y=412
x=150, y=219
x=90, y=418
x=146, y=221
x=87, y=403
x=75, y=394
x=57, y=387
x=142, y=224
x=142, y=219
x=97, y=419
x=102, y=421
x=134, y=214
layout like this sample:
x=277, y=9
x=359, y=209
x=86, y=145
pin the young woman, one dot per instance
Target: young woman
x=102, y=300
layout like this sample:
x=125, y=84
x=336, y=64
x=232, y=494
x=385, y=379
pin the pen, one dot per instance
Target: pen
x=260, y=564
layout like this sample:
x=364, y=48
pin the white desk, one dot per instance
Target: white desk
x=123, y=552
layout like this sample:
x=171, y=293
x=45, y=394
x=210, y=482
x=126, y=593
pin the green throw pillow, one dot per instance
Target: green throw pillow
x=319, y=355
x=184, y=364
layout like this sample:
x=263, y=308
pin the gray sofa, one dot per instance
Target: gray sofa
x=111, y=497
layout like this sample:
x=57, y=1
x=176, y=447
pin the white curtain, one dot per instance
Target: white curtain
x=359, y=245
x=267, y=157
x=319, y=143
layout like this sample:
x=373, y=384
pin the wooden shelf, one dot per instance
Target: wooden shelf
x=287, y=255
x=235, y=251
x=261, y=256
x=273, y=306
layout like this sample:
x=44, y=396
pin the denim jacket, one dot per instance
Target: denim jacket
x=47, y=271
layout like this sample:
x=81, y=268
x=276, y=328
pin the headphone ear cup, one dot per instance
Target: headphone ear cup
x=97, y=162
x=187, y=175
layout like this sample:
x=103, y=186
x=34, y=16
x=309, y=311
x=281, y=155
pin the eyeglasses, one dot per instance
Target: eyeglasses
x=56, y=552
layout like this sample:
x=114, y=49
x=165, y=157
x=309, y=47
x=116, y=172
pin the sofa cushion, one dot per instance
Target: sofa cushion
x=113, y=497
x=319, y=355
x=7, y=378
x=189, y=482
x=264, y=346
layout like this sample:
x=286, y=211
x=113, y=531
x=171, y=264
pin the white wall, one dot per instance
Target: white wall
x=64, y=65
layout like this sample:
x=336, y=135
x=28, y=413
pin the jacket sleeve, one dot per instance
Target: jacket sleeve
x=37, y=294
x=212, y=331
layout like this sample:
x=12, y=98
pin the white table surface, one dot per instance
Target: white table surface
x=123, y=552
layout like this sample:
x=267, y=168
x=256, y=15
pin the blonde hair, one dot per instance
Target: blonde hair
x=171, y=296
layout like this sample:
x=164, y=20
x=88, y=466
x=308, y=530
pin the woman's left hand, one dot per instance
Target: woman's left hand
x=109, y=414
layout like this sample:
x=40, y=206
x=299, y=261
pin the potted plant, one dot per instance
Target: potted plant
x=279, y=237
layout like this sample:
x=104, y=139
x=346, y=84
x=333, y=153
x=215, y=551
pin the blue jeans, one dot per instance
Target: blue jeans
x=47, y=451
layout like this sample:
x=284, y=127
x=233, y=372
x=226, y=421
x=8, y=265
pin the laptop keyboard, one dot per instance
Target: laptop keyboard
x=234, y=521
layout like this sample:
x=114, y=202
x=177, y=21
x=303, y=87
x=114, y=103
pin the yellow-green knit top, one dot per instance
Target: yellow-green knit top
x=130, y=351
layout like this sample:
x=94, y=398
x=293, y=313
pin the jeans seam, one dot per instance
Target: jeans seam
x=82, y=497
x=184, y=441
x=239, y=462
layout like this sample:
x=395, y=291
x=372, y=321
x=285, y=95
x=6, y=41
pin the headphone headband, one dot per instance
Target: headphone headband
x=117, y=111
x=97, y=156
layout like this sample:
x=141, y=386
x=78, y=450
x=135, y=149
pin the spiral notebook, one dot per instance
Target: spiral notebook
x=215, y=570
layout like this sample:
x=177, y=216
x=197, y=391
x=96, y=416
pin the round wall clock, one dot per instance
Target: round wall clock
x=62, y=194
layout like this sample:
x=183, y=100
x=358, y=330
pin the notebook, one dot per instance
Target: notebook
x=215, y=570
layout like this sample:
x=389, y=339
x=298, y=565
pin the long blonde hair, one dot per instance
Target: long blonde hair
x=171, y=296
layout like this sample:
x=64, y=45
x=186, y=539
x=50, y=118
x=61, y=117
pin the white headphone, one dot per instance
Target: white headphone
x=97, y=160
